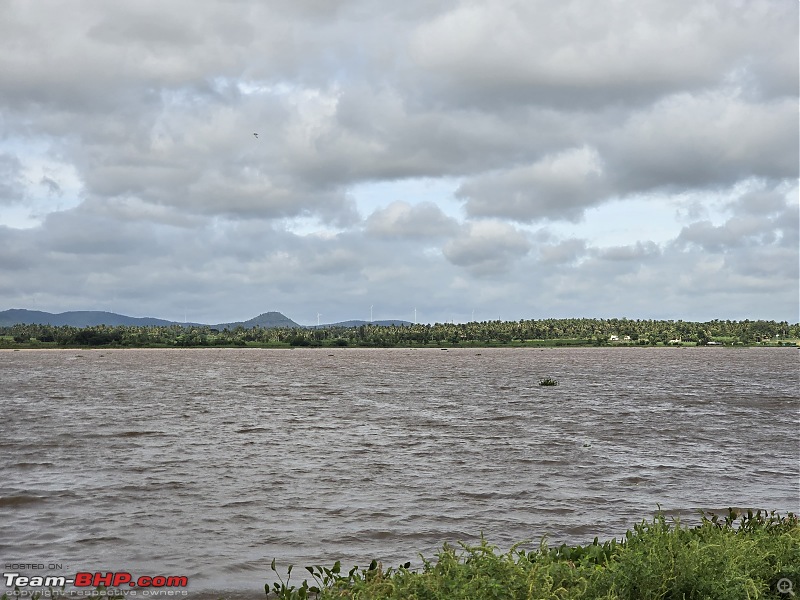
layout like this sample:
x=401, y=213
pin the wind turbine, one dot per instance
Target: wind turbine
x=318, y=316
x=370, y=312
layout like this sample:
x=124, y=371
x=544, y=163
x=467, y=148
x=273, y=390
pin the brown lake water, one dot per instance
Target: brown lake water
x=210, y=463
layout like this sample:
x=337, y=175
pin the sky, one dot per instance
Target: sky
x=452, y=160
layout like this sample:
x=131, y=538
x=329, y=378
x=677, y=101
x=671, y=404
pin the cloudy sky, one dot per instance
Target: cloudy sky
x=470, y=160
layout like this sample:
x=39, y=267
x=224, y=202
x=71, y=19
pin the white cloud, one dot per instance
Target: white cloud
x=406, y=156
x=704, y=140
x=574, y=53
x=565, y=252
x=403, y=220
x=487, y=248
x=559, y=186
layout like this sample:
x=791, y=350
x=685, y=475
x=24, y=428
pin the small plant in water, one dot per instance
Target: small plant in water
x=547, y=381
x=331, y=581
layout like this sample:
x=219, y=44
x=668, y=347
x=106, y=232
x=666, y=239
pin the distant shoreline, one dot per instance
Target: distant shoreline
x=486, y=334
x=470, y=347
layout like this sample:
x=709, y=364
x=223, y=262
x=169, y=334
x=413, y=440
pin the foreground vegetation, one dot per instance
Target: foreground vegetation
x=546, y=332
x=748, y=556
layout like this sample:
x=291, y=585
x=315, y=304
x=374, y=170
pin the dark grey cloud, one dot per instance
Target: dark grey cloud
x=559, y=186
x=151, y=106
x=16, y=256
x=11, y=179
x=487, y=248
x=636, y=252
x=737, y=231
x=709, y=140
x=762, y=201
x=564, y=252
x=126, y=132
x=764, y=218
x=573, y=54
x=403, y=220
x=682, y=143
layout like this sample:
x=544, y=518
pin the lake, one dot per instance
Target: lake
x=209, y=463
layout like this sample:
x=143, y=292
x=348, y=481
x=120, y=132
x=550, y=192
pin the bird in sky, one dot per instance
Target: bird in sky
x=255, y=135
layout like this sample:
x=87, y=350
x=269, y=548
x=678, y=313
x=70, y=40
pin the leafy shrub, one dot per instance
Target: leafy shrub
x=738, y=557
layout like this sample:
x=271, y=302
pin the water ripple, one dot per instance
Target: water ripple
x=212, y=462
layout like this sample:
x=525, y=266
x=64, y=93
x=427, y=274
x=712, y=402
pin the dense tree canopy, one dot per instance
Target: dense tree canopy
x=486, y=333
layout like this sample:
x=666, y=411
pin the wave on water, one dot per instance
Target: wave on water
x=213, y=464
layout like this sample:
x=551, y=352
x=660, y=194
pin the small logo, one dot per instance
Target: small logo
x=785, y=586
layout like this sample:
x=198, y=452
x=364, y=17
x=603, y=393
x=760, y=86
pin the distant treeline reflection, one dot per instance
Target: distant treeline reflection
x=545, y=332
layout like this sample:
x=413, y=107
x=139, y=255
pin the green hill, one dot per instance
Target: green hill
x=91, y=318
x=76, y=318
x=267, y=320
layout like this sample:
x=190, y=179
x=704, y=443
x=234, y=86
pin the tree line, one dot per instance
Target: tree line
x=487, y=333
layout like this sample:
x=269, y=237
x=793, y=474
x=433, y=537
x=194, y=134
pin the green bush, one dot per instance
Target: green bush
x=735, y=558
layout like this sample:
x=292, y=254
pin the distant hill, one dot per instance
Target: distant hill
x=89, y=318
x=76, y=318
x=266, y=320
